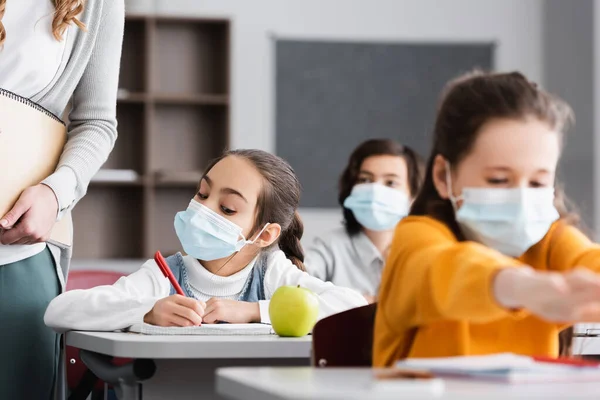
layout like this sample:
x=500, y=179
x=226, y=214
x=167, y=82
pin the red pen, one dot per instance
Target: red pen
x=162, y=264
x=575, y=362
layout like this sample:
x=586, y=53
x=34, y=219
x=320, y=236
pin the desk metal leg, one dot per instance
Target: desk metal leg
x=126, y=379
x=129, y=391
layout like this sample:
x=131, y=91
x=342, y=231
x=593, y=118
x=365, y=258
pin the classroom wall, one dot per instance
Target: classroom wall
x=515, y=25
x=568, y=33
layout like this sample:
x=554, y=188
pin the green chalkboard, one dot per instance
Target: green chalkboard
x=330, y=96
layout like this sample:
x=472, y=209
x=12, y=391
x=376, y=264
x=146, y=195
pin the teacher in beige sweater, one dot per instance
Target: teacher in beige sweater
x=51, y=51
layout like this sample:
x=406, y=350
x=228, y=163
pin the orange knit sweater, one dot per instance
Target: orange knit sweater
x=436, y=294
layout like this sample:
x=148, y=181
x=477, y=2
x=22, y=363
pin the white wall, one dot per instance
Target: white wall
x=515, y=25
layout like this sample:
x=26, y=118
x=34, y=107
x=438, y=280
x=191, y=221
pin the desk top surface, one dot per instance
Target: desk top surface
x=132, y=345
x=301, y=383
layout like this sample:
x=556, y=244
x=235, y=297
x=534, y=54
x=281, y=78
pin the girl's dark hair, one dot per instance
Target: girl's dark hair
x=469, y=102
x=278, y=201
x=376, y=147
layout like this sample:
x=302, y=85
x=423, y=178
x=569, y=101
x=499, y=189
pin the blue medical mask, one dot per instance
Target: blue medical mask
x=208, y=236
x=377, y=207
x=507, y=220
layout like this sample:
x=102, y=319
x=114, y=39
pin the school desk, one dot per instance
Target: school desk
x=302, y=383
x=186, y=365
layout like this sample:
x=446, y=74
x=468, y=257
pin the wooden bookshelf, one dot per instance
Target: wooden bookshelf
x=173, y=112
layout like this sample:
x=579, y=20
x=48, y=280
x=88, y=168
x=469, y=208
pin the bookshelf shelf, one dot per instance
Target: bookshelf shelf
x=128, y=97
x=191, y=99
x=108, y=223
x=173, y=110
x=170, y=178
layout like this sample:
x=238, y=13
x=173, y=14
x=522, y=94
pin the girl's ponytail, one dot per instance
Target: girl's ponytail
x=289, y=242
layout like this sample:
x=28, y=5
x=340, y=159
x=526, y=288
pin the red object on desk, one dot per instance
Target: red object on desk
x=575, y=362
x=164, y=267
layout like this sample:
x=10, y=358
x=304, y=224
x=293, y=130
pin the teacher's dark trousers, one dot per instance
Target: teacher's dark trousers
x=28, y=349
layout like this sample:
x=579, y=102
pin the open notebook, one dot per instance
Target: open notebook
x=586, y=329
x=205, y=329
x=505, y=367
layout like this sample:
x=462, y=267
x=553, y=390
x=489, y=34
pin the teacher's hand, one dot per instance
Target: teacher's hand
x=32, y=217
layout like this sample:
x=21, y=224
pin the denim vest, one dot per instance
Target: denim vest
x=254, y=288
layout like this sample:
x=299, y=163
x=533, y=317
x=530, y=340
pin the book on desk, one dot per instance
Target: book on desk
x=204, y=329
x=586, y=330
x=508, y=368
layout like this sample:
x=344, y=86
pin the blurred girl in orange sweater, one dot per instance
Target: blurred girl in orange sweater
x=488, y=261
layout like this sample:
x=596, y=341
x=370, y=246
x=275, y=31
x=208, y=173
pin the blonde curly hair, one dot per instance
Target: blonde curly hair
x=65, y=14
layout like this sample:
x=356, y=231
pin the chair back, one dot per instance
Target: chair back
x=84, y=280
x=345, y=339
x=87, y=279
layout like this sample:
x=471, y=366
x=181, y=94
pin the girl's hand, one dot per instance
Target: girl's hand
x=176, y=310
x=570, y=297
x=32, y=217
x=232, y=311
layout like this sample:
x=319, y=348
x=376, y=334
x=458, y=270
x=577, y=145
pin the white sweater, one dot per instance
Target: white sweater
x=89, y=78
x=108, y=308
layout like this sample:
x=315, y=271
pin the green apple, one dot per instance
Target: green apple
x=293, y=311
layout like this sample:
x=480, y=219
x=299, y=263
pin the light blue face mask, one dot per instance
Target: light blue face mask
x=377, y=207
x=206, y=235
x=507, y=220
